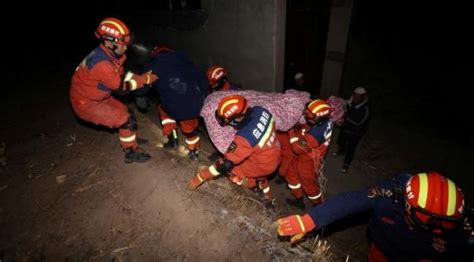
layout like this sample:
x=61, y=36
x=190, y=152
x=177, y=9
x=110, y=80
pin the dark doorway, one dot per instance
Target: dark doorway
x=306, y=32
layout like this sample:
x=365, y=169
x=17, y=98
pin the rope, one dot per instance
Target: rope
x=322, y=180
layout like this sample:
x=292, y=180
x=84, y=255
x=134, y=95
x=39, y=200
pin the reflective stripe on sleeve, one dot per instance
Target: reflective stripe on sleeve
x=128, y=76
x=133, y=84
x=148, y=79
x=200, y=178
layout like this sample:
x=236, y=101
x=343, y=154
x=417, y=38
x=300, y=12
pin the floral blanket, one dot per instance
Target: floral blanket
x=286, y=108
x=338, y=109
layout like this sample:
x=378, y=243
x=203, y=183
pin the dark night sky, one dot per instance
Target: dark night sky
x=428, y=46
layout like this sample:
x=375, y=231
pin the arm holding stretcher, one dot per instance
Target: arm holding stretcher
x=237, y=152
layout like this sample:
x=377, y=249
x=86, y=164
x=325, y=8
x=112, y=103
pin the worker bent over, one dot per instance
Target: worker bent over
x=419, y=217
x=100, y=74
x=254, y=153
x=218, y=79
x=182, y=88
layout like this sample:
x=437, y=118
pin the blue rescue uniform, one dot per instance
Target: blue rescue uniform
x=181, y=85
x=387, y=228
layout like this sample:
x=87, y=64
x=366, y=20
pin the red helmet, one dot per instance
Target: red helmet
x=114, y=30
x=215, y=74
x=230, y=108
x=160, y=49
x=434, y=202
x=317, y=108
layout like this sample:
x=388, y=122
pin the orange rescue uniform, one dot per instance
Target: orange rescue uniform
x=95, y=78
x=310, y=147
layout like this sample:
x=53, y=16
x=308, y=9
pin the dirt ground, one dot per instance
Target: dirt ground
x=66, y=194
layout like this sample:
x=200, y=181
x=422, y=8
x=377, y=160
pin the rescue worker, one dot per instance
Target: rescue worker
x=418, y=217
x=182, y=89
x=309, y=143
x=287, y=157
x=218, y=81
x=254, y=153
x=100, y=74
x=354, y=127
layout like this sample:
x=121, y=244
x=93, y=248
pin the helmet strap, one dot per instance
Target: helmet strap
x=113, y=48
x=432, y=226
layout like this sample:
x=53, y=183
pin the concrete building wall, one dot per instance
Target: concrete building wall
x=246, y=37
x=338, y=33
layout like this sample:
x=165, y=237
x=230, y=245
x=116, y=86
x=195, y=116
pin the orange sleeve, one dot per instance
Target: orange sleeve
x=239, y=150
x=105, y=72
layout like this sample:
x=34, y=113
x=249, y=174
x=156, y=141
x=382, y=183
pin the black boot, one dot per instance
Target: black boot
x=193, y=155
x=136, y=155
x=270, y=203
x=172, y=140
x=298, y=202
x=344, y=168
x=257, y=191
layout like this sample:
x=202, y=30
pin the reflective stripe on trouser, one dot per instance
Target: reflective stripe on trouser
x=168, y=123
x=128, y=138
x=192, y=143
x=316, y=199
x=309, y=179
x=189, y=129
x=293, y=180
x=296, y=190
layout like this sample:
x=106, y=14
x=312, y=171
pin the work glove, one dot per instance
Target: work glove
x=138, y=81
x=142, y=103
x=237, y=180
x=295, y=226
x=203, y=175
